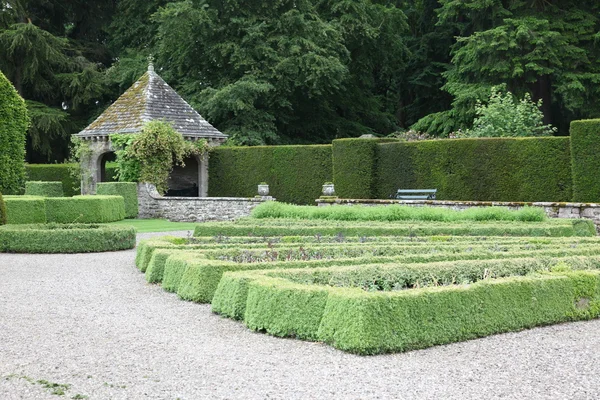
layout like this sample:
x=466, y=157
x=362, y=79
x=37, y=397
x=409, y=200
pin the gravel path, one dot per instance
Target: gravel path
x=90, y=321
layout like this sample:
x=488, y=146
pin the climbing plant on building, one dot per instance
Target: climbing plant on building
x=150, y=155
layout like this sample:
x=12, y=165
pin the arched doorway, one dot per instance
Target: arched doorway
x=106, y=174
x=185, y=181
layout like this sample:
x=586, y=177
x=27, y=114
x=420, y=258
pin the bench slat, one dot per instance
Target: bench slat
x=430, y=191
x=413, y=197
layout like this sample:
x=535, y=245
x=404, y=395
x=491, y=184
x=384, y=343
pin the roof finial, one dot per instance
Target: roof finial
x=150, y=63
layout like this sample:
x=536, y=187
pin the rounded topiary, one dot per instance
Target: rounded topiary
x=13, y=128
x=2, y=211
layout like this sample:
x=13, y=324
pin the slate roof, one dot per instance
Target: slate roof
x=148, y=99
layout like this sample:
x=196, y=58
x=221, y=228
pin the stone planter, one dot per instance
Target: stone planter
x=263, y=190
x=328, y=189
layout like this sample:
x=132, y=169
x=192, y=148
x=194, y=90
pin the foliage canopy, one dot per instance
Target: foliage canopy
x=303, y=71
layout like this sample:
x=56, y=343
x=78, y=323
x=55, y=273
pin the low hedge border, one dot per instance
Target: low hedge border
x=555, y=227
x=230, y=297
x=25, y=209
x=2, y=210
x=44, y=189
x=126, y=189
x=85, y=209
x=394, y=212
x=452, y=314
x=146, y=247
x=64, y=210
x=65, y=238
x=195, y=278
x=362, y=322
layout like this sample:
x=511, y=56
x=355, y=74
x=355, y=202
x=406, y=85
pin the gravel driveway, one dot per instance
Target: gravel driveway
x=90, y=322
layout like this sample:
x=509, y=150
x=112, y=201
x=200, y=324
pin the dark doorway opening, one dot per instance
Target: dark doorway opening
x=183, y=181
x=107, y=172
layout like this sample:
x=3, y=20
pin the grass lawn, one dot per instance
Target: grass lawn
x=156, y=225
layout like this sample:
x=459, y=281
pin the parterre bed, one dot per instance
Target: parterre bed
x=377, y=287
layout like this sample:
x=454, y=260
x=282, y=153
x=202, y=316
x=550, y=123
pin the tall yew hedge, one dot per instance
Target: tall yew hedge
x=13, y=128
x=493, y=169
x=585, y=147
x=295, y=174
x=354, y=167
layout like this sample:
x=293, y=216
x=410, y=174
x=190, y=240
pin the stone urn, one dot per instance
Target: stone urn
x=263, y=189
x=328, y=189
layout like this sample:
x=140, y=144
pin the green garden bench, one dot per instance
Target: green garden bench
x=415, y=194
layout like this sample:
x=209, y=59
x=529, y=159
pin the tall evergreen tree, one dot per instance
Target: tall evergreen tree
x=278, y=72
x=546, y=48
x=52, y=52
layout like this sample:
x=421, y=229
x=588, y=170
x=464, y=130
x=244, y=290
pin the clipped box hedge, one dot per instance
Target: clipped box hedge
x=585, y=147
x=2, y=210
x=44, y=189
x=392, y=322
x=146, y=247
x=85, y=209
x=195, y=277
x=65, y=238
x=378, y=322
x=231, y=295
x=65, y=173
x=55, y=172
x=128, y=190
x=25, y=209
x=295, y=174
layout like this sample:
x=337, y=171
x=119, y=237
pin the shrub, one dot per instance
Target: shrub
x=85, y=209
x=295, y=173
x=2, y=211
x=25, y=210
x=71, y=238
x=585, y=147
x=503, y=116
x=156, y=265
x=45, y=189
x=128, y=190
x=13, y=128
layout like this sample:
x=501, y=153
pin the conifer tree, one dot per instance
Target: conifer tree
x=43, y=52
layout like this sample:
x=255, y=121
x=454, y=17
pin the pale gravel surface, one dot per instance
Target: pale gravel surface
x=92, y=321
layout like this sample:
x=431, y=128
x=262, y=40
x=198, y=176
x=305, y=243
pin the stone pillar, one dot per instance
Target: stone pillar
x=90, y=162
x=203, y=175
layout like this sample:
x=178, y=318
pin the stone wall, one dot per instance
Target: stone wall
x=553, y=210
x=193, y=209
